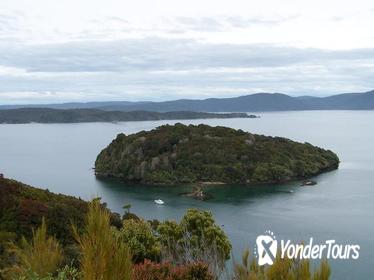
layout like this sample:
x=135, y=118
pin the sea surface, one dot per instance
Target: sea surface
x=60, y=157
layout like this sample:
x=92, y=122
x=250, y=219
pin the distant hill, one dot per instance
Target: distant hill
x=248, y=103
x=47, y=115
x=347, y=101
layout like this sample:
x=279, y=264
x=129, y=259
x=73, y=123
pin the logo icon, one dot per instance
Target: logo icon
x=267, y=246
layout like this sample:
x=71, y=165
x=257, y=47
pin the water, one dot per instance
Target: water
x=60, y=157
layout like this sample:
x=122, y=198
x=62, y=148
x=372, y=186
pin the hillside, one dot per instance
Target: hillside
x=248, y=103
x=22, y=208
x=187, y=154
x=45, y=115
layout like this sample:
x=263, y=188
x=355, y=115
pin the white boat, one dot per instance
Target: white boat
x=159, y=201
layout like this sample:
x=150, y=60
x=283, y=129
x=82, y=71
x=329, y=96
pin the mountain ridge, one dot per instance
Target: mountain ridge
x=256, y=102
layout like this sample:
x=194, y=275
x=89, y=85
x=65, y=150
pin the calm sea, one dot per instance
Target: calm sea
x=60, y=157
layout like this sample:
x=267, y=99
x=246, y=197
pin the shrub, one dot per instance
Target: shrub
x=282, y=268
x=166, y=271
x=42, y=256
x=139, y=236
x=104, y=255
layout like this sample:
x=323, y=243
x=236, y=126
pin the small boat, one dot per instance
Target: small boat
x=159, y=201
x=309, y=183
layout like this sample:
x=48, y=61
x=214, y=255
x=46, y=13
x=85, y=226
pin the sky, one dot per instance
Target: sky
x=96, y=50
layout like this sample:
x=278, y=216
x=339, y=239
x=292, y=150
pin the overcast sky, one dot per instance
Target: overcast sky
x=95, y=50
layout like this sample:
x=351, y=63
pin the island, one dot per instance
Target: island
x=180, y=154
x=49, y=115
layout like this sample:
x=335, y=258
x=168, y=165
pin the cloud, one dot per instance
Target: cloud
x=9, y=23
x=222, y=23
x=337, y=18
x=245, y=22
x=157, y=68
x=156, y=53
x=201, y=24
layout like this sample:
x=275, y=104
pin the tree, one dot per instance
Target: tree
x=196, y=238
x=140, y=237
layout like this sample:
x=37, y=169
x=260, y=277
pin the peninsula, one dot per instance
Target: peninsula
x=48, y=115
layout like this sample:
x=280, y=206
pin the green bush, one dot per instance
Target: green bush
x=140, y=237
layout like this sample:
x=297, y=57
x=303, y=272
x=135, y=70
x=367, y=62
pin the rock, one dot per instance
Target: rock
x=198, y=194
x=142, y=139
x=155, y=162
x=249, y=142
x=173, y=156
x=183, y=141
x=212, y=137
x=143, y=166
x=165, y=161
x=139, y=153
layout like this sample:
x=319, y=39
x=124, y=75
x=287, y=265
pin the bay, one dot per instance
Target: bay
x=60, y=157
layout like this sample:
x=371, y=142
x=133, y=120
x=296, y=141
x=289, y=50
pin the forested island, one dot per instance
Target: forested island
x=48, y=115
x=176, y=154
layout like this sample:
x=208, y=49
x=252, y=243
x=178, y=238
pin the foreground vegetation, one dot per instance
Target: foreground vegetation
x=188, y=154
x=89, y=242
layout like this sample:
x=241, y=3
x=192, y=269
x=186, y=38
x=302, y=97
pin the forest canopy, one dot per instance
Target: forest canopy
x=174, y=154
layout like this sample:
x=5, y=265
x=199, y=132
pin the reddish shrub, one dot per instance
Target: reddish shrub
x=166, y=271
x=30, y=213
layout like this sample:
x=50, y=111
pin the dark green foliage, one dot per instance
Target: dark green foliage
x=189, y=154
x=47, y=115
